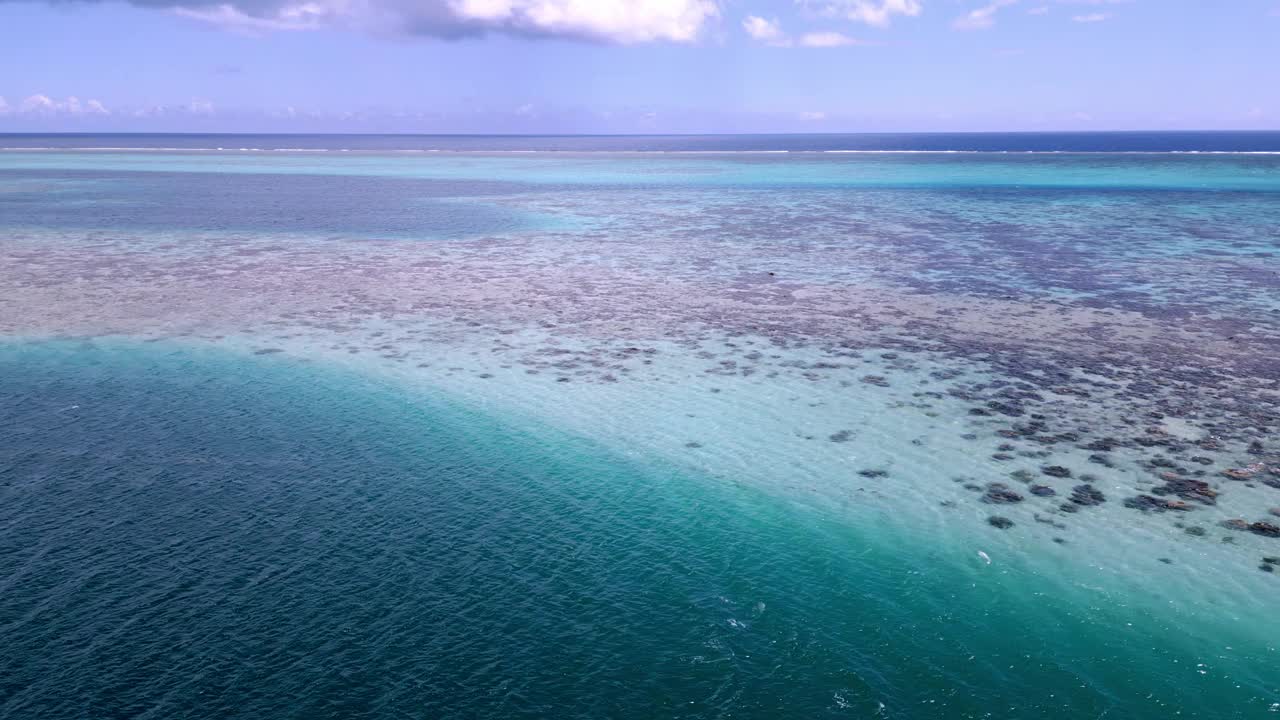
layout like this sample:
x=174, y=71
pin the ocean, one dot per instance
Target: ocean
x=1242, y=141
x=870, y=426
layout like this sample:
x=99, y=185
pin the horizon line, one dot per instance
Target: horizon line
x=679, y=134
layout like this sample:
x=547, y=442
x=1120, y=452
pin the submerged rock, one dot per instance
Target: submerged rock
x=1043, y=491
x=1000, y=494
x=1187, y=489
x=1024, y=476
x=1056, y=471
x=997, y=521
x=1148, y=503
x=1087, y=495
x=1265, y=529
x=1235, y=524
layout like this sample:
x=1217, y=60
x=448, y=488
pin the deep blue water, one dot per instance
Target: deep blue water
x=1174, y=141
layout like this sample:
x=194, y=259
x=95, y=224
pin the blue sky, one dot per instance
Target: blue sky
x=638, y=65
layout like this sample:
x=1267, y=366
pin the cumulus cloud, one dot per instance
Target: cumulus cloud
x=826, y=40
x=614, y=21
x=197, y=107
x=43, y=105
x=770, y=33
x=1091, y=17
x=981, y=18
x=766, y=31
x=306, y=16
x=37, y=104
x=872, y=12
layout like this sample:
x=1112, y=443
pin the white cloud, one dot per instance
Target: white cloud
x=766, y=31
x=826, y=40
x=306, y=16
x=872, y=12
x=38, y=105
x=1040, y=10
x=624, y=21
x=813, y=116
x=196, y=108
x=616, y=21
x=200, y=107
x=770, y=32
x=981, y=18
x=1091, y=17
x=44, y=105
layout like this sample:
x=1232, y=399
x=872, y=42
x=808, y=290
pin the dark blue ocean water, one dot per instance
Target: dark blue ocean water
x=1174, y=141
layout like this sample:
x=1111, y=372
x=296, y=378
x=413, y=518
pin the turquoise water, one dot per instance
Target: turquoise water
x=1089, y=170
x=188, y=534
x=1161, y=142
x=639, y=434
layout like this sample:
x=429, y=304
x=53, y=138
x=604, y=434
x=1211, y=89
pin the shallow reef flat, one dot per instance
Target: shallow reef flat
x=1095, y=347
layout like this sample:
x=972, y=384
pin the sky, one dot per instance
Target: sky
x=638, y=66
